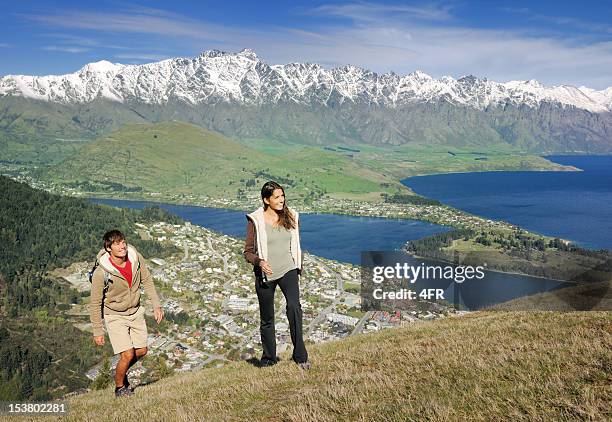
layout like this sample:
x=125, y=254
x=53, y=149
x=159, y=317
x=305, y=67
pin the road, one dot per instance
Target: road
x=359, y=327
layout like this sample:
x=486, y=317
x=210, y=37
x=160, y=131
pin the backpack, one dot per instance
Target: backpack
x=106, y=275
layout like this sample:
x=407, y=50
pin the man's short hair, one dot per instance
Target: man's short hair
x=111, y=237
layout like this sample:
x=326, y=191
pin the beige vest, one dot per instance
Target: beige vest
x=257, y=217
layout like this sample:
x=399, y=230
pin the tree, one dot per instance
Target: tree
x=104, y=378
x=162, y=368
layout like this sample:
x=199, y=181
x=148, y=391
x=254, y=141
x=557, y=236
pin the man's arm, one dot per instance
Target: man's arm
x=95, y=304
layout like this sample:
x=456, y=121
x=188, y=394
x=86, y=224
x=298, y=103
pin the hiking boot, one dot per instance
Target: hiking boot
x=123, y=391
x=268, y=362
x=126, y=383
x=305, y=365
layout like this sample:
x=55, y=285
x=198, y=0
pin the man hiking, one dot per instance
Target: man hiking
x=115, y=298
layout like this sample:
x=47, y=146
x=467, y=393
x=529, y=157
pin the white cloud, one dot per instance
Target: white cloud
x=142, y=57
x=381, y=38
x=76, y=40
x=371, y=12
x=66, y=49
x=141, y=21
x=563, y=21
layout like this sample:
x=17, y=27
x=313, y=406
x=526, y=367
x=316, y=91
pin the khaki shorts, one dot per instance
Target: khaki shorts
x=126, y=332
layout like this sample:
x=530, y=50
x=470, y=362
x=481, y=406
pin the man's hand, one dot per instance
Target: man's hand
x=265, y=267
x=159, y=314
x=99, y=340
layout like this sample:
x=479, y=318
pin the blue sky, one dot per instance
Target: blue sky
x=553, y=42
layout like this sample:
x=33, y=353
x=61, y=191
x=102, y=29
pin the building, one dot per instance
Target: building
x=343, y=319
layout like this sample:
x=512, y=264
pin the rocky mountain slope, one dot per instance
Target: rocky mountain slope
x=244, y=97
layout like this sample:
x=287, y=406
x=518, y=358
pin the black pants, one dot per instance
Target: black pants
x=265, y=294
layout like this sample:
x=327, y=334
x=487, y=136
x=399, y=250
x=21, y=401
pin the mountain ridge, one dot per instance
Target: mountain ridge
x=217, y=76
x=243, y=98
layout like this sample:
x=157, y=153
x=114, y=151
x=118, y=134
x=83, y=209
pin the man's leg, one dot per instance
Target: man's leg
x=138, y=353
x=265, y=296
x=122, y=366
x=118, y=330
x=138, y=335
x=291, y=289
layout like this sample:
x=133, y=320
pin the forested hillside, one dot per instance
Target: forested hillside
x=41, y=353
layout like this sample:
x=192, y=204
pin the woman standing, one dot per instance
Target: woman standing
x=273, y=247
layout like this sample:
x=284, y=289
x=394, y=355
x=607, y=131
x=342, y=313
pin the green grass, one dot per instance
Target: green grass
x=399, y=162
x=410, y=160
x=595, y=296
x=25, y=150
x=483, y=366
x=182, y=158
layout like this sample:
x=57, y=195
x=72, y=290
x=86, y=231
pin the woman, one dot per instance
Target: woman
x=273, y=247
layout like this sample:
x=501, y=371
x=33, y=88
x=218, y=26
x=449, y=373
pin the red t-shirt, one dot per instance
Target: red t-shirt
x=126, y=271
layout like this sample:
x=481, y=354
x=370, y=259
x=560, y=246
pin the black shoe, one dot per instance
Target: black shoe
x=126, y=383
x=123, y=391
x=268, y=362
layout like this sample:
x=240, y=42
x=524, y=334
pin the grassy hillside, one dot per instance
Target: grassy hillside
x=40, y=132
x=35, y=132
x=587, y=296
x=483, y=366
x=407, y=161
x=184, y=158
x=413, y=160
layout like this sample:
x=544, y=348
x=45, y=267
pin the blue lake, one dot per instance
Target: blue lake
x=338, y=237
x=343, y=238
x=571, y=205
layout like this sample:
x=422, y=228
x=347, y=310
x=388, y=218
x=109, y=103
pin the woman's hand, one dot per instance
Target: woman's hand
x=265, y=267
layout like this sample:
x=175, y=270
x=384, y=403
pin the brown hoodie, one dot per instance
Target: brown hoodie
x=256, y=248
x=119, y=299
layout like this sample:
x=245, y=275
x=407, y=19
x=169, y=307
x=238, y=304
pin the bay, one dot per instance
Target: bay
x=338, y=237
x=343, y=238
x=576, y=206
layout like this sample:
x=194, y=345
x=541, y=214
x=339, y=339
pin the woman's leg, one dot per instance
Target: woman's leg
x=291, y=289
x=265, y=296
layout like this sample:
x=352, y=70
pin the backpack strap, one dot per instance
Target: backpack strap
x=107, y=280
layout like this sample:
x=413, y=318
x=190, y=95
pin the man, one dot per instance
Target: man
x=123, y=270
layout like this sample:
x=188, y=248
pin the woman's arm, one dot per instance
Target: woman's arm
x=249, y=245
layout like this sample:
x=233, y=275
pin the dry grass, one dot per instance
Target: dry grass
x=483, y=366
x=584, y=296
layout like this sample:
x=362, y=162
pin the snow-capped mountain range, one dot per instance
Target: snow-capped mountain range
x=242, y=78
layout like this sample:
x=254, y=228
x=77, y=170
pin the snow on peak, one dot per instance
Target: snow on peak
x=103, y=66
x=216, y=76
x=417, y=74
x=247, y=52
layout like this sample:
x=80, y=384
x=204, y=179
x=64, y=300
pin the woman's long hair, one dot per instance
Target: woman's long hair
x=285, y=216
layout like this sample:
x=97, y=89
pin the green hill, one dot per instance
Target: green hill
x=42, y=354
x=186, y=159
x=482, y=366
